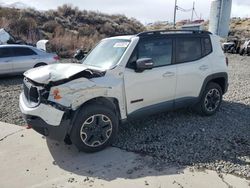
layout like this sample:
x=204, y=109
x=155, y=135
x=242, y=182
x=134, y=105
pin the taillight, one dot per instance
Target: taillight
x=227, y=61
x=56, y=58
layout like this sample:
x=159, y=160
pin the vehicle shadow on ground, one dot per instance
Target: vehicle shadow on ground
x=109, y=164
x=179, y=139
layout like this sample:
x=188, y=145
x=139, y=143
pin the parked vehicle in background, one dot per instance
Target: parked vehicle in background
x=20, y=58
x=7, y=38
x=245, y=48
x=233, y=45
x=79, y=55
x=122, y=78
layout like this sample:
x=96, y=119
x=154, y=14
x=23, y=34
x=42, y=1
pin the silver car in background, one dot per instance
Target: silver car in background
x=20, y=58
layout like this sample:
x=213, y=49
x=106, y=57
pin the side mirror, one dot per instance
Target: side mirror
x=144, y=64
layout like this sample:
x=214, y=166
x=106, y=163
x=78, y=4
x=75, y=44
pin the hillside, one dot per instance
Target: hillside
x=68, y=28
x=239, y=27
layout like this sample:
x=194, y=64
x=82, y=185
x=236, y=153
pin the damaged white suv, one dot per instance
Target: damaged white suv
x=121, y=78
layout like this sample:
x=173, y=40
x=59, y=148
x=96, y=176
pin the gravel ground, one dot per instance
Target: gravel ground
x=183, y=138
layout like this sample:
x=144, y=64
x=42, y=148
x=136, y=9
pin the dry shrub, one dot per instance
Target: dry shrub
x=9, y=13
x=22, y=26
x=50, y=26
x=4, y=22
x=65, y=45
x=67, y=10
x=67, y=28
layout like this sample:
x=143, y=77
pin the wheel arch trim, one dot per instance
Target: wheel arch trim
x=110, y=102
x=213, y=77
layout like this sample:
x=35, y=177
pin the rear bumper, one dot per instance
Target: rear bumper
x=45, y=119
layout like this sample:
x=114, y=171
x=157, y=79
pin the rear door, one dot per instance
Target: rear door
x=193, y=66
x=24, y=59
x=5, y=60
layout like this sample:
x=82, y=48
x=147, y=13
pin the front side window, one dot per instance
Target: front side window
x=107, y=53
x=160, y=50
x=5, y=52
x=21, y=51
x=188, y=49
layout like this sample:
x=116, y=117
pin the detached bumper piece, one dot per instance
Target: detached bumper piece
x=54, y=132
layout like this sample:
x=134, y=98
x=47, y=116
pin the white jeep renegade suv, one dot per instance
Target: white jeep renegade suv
x=122, y=78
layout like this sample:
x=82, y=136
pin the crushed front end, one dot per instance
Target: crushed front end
x=47, y=118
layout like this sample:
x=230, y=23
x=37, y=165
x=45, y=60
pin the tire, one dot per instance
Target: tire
x=40, y=64
x=241, y=52
x=86, y=134
x=210, y=100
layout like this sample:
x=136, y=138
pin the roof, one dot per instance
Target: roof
x=160, y=32
x=124, y=37
x=165, y=32
x=15, y=45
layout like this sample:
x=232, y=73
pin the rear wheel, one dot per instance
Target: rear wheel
x=95, y=128
x=211, y=100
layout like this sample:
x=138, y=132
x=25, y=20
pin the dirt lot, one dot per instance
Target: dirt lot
x=220, y=142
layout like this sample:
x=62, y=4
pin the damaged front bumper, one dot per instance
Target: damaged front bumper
x=45, y=119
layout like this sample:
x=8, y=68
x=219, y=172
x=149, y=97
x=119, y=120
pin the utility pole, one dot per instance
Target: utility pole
x=193, y=9
x=175, y=7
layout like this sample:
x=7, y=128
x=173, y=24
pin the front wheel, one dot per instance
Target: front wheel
x=95, y=128
x=211, y=100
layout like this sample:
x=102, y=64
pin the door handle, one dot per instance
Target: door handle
x=203, y=67
x=168, y=74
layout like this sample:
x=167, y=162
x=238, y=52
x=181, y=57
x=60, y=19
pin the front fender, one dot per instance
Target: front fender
x=75, y=93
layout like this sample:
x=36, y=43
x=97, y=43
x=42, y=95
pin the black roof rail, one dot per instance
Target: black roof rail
x=163, y=32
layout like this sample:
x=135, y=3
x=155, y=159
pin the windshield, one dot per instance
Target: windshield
x=107, y=53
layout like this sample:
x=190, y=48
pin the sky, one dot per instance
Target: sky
x=146, y=11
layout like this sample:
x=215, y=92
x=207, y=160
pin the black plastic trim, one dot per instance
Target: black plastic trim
x=167, y=32
x=151, y=110
x=213, y=77
x=54, y=132
x=135, y=101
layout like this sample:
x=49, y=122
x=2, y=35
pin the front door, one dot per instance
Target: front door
x=5, y=61
x=154, y=87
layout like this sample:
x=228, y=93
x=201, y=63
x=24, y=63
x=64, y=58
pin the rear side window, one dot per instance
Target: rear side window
x=188, y=49
x=17, y=51
x=5, y=52
x=207, y=46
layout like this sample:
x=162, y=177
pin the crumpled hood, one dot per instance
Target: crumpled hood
x=54, y=72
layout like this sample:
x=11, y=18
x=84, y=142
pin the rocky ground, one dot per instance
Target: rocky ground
x=183, y=138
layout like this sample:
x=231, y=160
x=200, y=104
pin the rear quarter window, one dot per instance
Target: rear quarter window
x=207, y=46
